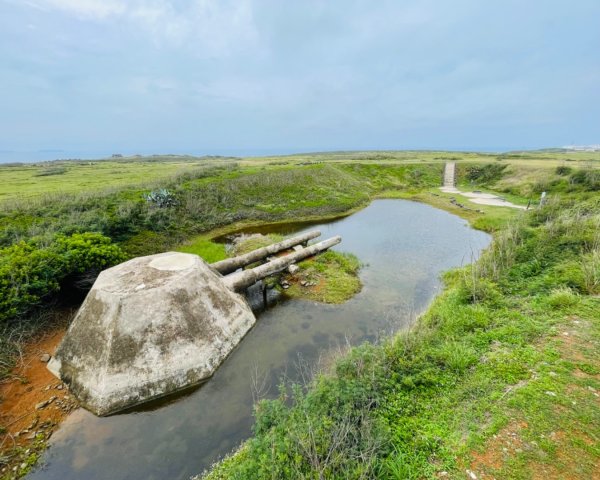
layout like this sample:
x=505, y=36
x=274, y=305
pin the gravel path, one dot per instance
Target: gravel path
x=474, y=197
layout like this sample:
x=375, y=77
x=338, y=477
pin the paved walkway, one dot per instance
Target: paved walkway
x=474, y=197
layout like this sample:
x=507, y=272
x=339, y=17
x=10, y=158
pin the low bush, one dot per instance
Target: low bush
x=49, y=171
x=563, y=170
x=562, y=297
x=485, y=174
x=30, y=271
x=588, y=179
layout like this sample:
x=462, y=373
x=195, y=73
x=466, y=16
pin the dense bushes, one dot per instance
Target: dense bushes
x=485, y=174
x=588, y=179
x=30, y=271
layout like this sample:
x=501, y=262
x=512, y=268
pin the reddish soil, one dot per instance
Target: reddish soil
x=503, y=445
x=22, y=395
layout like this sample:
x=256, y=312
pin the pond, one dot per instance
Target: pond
x=404, y=247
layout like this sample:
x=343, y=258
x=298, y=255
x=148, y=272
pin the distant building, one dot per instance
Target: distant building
x=583, y=148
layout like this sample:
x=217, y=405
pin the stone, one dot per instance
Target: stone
x=297, y=248
x=128, y=345
x=292, y=269
x=45, y=357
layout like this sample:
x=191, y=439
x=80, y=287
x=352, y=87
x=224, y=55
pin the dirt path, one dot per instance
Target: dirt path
x=33, y=402
x=474, y=197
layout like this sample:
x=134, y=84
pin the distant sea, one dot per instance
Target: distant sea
x=10, y=156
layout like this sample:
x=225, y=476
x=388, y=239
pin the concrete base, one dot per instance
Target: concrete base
x=148, y=328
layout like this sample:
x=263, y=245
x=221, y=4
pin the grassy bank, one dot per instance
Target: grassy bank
x=499, y=379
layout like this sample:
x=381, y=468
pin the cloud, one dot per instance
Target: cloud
x=90, y=9
x=212, y=27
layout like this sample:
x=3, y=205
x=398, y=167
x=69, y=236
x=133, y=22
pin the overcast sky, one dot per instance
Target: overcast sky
x=243, y=75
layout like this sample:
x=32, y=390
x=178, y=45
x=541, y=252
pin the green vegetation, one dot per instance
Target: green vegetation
x=205, y=248
x=247, y=243
x=31, y=271
x=160, y=216
x=331, y=277
x=488, y=358
x=486, y=173
x=429, y=400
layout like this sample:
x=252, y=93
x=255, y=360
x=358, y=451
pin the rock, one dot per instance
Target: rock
x=293, y=269
x=471, y=475
x=303, y=283
x=42, y=405
x=45, y=357
x=127, y=346
x=59, y=386
x=297, y=248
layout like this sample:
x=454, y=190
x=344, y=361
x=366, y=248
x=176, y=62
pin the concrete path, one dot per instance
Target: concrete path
x=474, y=197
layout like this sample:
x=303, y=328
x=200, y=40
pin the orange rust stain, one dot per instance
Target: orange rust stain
x=29, y=386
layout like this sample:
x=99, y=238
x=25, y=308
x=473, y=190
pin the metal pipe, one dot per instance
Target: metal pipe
x=232, y=264
x=242, y=280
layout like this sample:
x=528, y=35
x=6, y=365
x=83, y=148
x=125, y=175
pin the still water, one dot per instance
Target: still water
x=404, y=246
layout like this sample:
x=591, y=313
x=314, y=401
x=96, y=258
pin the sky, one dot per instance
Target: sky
x=252, y=76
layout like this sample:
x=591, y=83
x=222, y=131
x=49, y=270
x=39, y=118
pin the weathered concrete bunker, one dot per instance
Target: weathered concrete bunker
x=155, y=325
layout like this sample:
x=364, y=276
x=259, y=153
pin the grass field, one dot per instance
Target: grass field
x=59, y=177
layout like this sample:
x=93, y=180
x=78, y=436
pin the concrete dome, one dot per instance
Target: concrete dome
x=149, y=327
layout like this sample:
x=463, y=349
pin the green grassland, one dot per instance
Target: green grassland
x=479, y=363
x=60, y=177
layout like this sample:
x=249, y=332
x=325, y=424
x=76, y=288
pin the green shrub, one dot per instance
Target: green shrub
x=30, y=272
x=587, y=179
x=590, y=267
x=562, y=297
x=563, y=170
x=161, y=198
x=455, y=356
x=49, y=171
x=473, y=289
x=485, y=174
